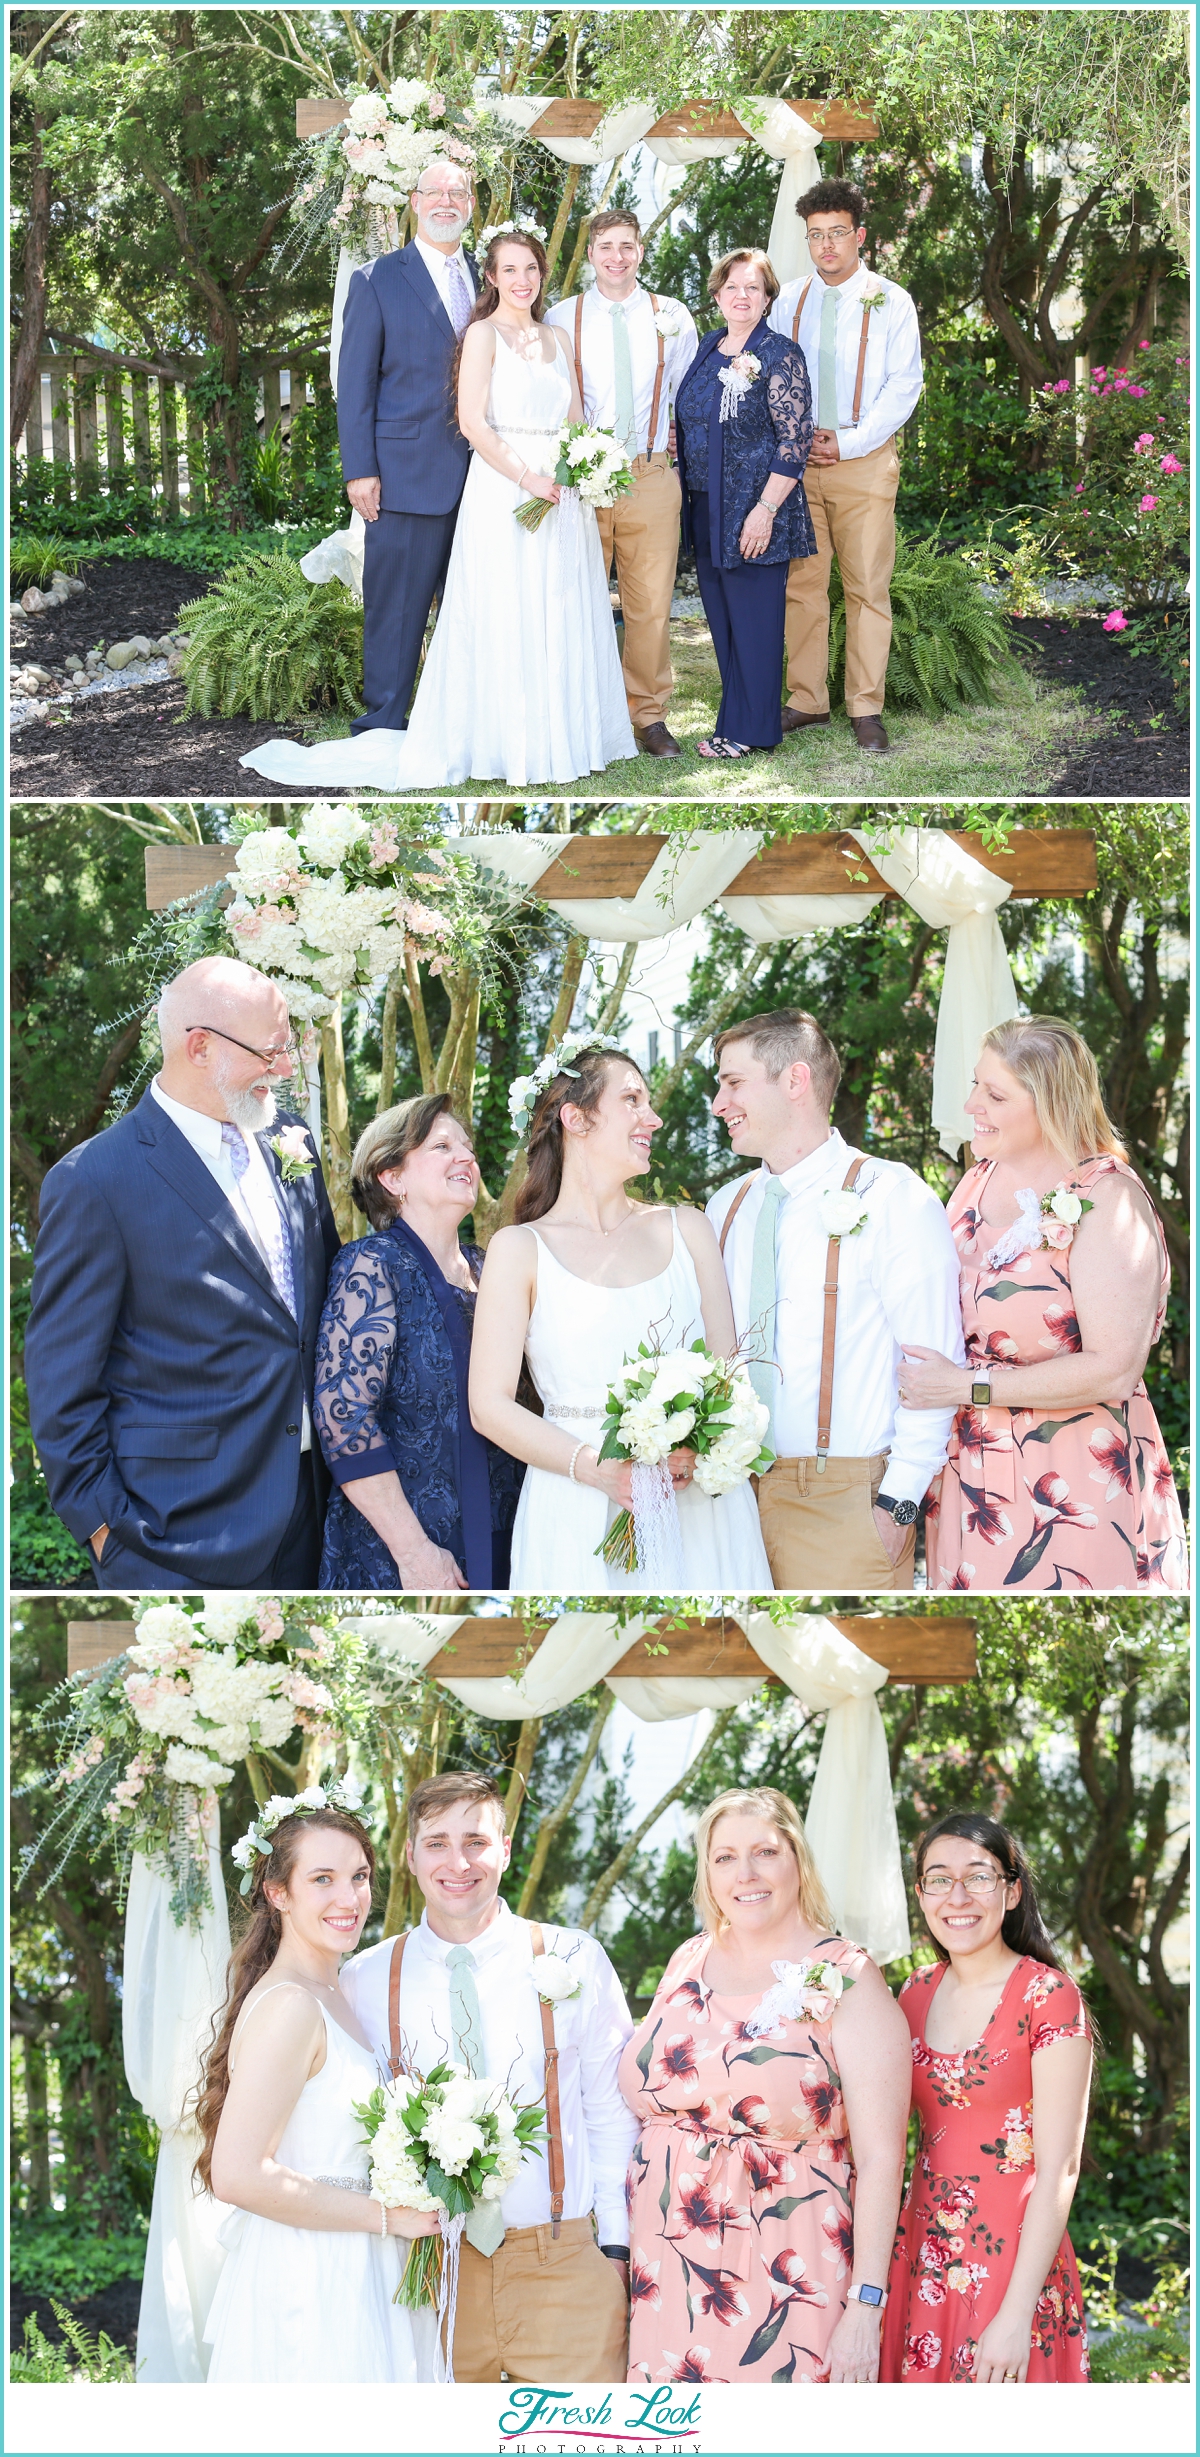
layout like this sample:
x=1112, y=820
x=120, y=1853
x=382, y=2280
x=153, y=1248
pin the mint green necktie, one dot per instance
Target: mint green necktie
x=761, y=1361
x=827, y=409
x=622, y=377
x=485, y=2226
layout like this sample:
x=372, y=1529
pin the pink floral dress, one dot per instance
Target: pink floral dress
x=1054, y=1498
x=741, y=2188
x=960, y=2223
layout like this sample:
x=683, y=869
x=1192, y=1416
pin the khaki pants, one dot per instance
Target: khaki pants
x=853, y=507
x=819, y=1531
x=542, y=2309
x=642, y=530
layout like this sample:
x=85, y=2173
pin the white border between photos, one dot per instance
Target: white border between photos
x=1157, y=2422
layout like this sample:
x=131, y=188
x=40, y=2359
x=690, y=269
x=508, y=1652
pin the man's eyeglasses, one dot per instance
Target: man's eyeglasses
x=270, y=1057
x=828, y=238
x=976, y=1881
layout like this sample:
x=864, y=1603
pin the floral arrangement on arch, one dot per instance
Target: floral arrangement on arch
x=336, y=902
x=358, y=177
x=148, y=1743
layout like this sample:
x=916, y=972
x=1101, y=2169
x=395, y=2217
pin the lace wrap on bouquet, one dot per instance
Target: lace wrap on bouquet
x=656, y=1528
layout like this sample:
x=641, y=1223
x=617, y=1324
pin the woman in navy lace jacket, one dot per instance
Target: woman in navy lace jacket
x=420, y=1499
x=744, y=433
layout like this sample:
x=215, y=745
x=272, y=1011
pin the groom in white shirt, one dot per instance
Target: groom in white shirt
x=542, y=2295
x=632, y=350
x=862, y=347
x=830, y=1281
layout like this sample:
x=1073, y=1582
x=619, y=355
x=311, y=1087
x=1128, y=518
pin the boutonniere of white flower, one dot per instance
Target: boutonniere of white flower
x=842, y=1214
x=1061, y=1213
x=736, y=380
x=292, y=1152
x=554, y=1979
x=668, y=322
x=874, y=298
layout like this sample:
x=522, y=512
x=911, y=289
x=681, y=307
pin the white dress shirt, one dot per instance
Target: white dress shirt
x=590, y=2030
x=596, y=351
x=892, y=376
x=204, y=1135
x=898, y=1281
x=438, y=268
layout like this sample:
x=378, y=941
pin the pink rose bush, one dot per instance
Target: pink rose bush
x=1106, y=523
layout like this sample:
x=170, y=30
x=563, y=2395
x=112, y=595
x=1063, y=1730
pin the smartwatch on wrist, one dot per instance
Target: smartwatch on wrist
x=876, y=2295
x=615, y=2252
x=981, y=1392
x=902, y=1513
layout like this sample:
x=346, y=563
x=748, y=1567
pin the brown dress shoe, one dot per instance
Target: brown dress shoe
x=794, y=718
x=869, y=734
x=658, y=742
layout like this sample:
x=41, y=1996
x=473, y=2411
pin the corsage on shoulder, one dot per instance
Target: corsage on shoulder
x=803, y=1991
x=1042, y=1220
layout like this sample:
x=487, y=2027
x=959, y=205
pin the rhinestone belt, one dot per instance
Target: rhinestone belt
x=347, y=2183
x=589, y=1412
x=507, y=430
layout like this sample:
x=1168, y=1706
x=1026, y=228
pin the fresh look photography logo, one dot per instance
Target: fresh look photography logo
x=537, y=2420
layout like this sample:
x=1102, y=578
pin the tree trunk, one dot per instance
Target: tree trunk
x=615, y=1871
x=337, y=1121
x=387, y=1041
x=553, y=1824
x=26, y=381
x=414, y=998
x=37, y=2124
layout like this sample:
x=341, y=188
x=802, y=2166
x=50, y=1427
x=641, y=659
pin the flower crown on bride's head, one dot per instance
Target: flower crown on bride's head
x=527, y=229
x=256, y=1844
x=523, y=1095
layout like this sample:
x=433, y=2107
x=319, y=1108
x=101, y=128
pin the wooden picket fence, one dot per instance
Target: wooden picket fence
x=95, y=423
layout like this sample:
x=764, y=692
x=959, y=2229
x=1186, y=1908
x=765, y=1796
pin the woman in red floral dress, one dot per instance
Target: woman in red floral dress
x=753, y=2222
x=1058, y=1479
x=984, y=2286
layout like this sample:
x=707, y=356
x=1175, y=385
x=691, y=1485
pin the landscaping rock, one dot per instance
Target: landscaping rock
x=175, y=661
x=74, y=664
x=166, y=644
x=33, y=602
x=63, y=580
x=121, y=654
x=15, y=606
x=141, y=646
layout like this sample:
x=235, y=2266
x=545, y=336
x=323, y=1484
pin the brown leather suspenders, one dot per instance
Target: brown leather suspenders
x=829, y=1329
x=658, y=372
x=862, y=347
x=554, y=2148
x=829, y=1326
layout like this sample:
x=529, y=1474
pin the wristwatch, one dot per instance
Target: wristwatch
x=981, y=1392
x=876, y=2295
x=902, y=1513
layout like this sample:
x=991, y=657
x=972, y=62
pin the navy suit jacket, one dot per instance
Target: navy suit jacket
x=397, y=419
x=166, y=1376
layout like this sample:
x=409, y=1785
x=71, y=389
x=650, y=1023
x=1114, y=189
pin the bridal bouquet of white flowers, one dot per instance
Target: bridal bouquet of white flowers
x=442, y=2141
x=660, y=1403
x=592, y=463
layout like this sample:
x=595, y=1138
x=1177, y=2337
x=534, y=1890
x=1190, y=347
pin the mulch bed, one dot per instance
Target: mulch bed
x=139, y=744
x=114, y=2310
x=1129, y=759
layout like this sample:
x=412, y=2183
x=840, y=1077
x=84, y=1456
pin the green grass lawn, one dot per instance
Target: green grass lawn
x=992, y=753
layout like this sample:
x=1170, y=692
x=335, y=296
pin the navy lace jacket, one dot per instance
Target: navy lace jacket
x=773, y=430
x=387, y=1396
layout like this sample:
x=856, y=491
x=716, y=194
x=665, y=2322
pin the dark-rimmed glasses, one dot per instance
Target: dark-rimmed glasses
x=270, y=1057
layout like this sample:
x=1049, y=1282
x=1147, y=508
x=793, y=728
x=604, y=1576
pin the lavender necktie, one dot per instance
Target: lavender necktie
x=264, y=1212
x=461, y=301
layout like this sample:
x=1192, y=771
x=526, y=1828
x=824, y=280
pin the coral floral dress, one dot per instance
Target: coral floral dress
x=960, y=2223
x=741, y=2188
x=1060, y=1499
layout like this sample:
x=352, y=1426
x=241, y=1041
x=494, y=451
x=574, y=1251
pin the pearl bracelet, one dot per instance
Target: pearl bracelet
x=383, y=2218
x=574, y=1455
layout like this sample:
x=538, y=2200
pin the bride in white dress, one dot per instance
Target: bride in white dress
x=306, y=2291
x=522, y=679
x=572, y=1291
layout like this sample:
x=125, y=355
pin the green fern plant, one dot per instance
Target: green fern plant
x=96, y=2359
x=270, y=476
x=34, y=559
x=266, y=644
x=948, y=644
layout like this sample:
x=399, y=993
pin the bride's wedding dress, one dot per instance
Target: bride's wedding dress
x=293, y=2304
x=579, y=1337
x=522, y=679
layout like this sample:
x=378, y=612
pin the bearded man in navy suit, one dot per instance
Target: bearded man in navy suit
x=403, y=458
x=178, y=1282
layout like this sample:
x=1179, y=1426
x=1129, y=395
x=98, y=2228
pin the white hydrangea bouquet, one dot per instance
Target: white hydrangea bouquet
x=591, y=463
x=356, y=178
x=447, y=2142
x=149, y=1740
x=685, y=1398
x=335, y=902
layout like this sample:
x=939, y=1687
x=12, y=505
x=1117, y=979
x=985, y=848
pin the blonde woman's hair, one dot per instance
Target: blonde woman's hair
x=1057, y=1069
x=780, y=1812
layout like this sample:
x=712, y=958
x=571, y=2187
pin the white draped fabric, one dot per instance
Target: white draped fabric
x=939, y=879
x=173, y=1979
x=851, y=1818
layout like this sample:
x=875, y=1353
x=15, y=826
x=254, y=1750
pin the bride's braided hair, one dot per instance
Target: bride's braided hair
x=583, y=1087
x=251, y=1959
x=489, y=297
